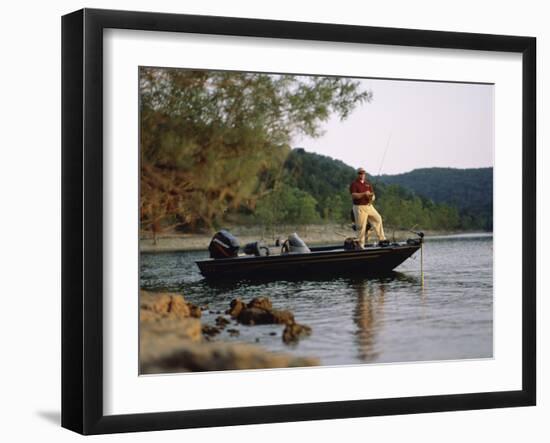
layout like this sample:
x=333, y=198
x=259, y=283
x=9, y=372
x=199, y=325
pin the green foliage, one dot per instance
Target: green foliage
x=402, y=210
x=215, y=147
x=468, y=190
x=326, y=179
x=214, y=141
x=401, y=206
x=287, y=205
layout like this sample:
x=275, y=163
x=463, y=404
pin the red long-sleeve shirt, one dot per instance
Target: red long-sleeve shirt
x=356, y=187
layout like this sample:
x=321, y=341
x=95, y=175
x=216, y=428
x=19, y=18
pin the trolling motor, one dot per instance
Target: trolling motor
x=416, y=241
x=421, y=241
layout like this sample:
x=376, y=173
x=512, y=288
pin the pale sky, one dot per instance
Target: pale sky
x=427, y=124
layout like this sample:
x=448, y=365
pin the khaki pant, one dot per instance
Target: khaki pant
x=364, y=213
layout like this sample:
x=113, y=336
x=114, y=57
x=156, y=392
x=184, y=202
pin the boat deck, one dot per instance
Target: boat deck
x=322, y=260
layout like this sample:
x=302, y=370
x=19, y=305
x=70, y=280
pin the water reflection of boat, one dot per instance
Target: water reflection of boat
x=308, y=262
x=368, y=316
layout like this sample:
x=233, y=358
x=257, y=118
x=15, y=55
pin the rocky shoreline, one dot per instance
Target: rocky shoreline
x=174, y=339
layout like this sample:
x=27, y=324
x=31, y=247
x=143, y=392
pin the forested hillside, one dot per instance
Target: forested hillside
x=319, y=186
x=215, y=150
x=314, y=188
x=469, y=190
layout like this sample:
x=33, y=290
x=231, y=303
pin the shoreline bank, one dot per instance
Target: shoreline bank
x=175, y=337
x=311, y=234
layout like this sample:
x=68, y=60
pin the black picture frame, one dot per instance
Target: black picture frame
x=82, y=218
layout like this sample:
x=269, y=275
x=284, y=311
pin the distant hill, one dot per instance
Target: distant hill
x=317, y=174
x=469, y=190
x=438, y=197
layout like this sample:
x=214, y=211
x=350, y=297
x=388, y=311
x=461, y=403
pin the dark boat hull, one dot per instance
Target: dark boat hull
x=320, y=262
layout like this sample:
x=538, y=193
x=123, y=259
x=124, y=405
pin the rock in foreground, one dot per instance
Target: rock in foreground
x=219, y=356
x=162, y=337
x=293, y=332
x=259, y=311
x=171, y=340
x=158, y=306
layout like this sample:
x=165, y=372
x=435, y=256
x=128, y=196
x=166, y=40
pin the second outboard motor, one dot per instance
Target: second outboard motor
x=258, y=248
x=295, y=244
x=223, y=245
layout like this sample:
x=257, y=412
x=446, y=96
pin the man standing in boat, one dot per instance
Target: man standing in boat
x=364, y=212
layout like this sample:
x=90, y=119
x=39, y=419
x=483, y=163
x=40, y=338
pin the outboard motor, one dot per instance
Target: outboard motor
x=223, y=245
x=258, y=248
x=295, y=244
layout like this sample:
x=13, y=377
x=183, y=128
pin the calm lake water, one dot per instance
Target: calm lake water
x=360, y=320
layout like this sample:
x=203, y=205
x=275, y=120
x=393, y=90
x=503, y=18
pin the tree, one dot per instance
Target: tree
x=287, y=205
x=213, y=141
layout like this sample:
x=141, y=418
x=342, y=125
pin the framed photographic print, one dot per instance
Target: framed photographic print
x=269, y=221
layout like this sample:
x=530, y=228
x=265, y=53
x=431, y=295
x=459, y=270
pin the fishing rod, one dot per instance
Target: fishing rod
x=381, y=164
x=352, y=215
x=420, y=234
x=383, y=158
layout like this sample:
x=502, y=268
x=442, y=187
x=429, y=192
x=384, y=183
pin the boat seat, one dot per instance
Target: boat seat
x=294, y=245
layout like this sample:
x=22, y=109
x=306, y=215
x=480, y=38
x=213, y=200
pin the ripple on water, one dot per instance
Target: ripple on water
x=359, y=320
